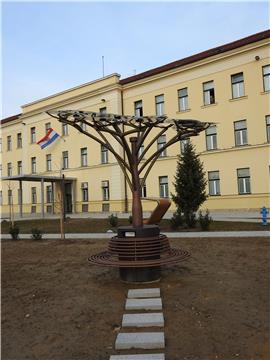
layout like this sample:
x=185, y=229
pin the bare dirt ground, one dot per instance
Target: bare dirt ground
x=55, y=306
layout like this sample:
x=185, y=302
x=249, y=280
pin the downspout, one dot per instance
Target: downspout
x=125, y=180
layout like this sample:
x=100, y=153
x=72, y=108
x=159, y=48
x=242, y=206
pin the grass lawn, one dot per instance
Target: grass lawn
x=102, y=225
x=56, y=306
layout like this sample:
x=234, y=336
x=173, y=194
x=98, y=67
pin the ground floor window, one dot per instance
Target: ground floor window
x=214, y=183
x=243, y=179
x=163, y=187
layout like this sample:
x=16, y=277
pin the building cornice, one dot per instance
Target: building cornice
x=262, y=36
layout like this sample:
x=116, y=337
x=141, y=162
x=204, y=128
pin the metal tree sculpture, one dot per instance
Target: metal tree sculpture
x=138, y=251
x=134, y=129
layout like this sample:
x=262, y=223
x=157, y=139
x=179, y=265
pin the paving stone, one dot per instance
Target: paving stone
x=138, y=357
x=144, y=304
x=143, y=320
x=143, y=293
x=142, y=340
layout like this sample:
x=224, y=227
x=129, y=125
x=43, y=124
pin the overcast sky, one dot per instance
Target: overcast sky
x=51, y=46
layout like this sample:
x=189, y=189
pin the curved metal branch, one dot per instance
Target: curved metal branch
x=151, y=143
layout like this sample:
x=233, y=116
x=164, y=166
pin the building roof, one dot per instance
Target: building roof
x=10, y=118
x=200, y=56
x=185, y=61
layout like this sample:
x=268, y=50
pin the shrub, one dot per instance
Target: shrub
x=205, y=220
x=14, y=231
x=176, y=220
x=36, y=234
x=113, y=220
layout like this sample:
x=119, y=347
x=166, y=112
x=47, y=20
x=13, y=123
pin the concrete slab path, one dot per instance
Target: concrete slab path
x=143, y=293
x=142, y=340
x=138, y=357
x=143, y=320
x=144, y=304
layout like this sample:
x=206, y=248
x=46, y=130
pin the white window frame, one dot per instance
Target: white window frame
x=84, y=161
x=33, y=135
x=163, y=187
x=105, y=187
x=138, y=108
x=104, y=155
x=48, y=162
x=84, y=187
x=159, y=101
x=240, y=134
x=209, y=93
x=161, y=141
x=19, y=140
x=33, y=165
x=9, y=143
x=267, y=120
x=266, y=77
x=19, y=167
x=65, y=159
x=238, y=89
x=214, y=183
x=243, y=182
x=9, y=169
x=33, y=195
x=211, y=137
x=183, y=99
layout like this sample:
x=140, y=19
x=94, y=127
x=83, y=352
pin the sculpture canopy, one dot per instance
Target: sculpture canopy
x=131, y=133
x=123, y=128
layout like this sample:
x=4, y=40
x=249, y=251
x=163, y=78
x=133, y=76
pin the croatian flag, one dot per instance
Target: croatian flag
x=48, y=138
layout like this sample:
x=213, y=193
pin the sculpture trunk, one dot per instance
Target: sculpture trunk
x=137, y=213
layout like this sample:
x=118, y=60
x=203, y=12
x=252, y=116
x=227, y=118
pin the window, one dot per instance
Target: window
x=267, y=118
x=141, y=150
x=65, y=159
x=1, y=198
x=103, y=111
x=84, y=157
x=143, y=190
x=33, y=135
x=49, y=194
x=19, y=140
x=240, y=132
x=33, y=195
x=183, y=144
x=48, y=162
x=208, y=93
x=1, y=170
x=0, y=145
x=104, y=155
x=266, y=78
x=214, y=183
x=47, y=127
x=138, y=108
x=10, y=199
x=9, y=169
x=105, y=190
x=237, y=85
x=183, y=99
x=243, y=178
x=33, y=165
x=9, y=147
x=163, y=187
x=19, y=167
x=64, y=129
x=211, y=137
x=161, y=142
x=159, y=105
x=84, y=188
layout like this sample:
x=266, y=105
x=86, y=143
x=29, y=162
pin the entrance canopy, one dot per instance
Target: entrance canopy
x=39, y=178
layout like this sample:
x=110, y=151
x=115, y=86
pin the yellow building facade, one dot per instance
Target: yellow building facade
x=228, y=85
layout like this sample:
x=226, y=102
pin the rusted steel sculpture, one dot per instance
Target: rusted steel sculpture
x=139, y=250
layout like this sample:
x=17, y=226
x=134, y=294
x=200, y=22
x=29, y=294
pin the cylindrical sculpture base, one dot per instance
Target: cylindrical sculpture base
x=139, y=274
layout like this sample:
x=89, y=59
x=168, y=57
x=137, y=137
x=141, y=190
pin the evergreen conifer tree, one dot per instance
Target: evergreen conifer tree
x=190, y=184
